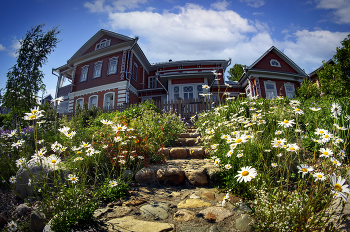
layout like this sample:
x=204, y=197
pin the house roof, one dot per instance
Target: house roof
x=330, y=61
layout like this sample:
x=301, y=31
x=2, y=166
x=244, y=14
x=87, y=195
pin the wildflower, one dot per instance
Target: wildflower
x=246, y=174
x=119, y=127
x=339, y=188
x=205, y=87
x=304, y=169
x=85, y=145
x=106, y=122
x=225, y=136
x=342, y=154
x=267, y=150
x=40, y=141
x=240, y=155
x=29, y=182
x=326, y=152
x=56, y=146
x=298, y=131
x=336, y=109
x=233, y=146
x=12, y=133
x=12, y=226
x=57, y=100
x=53, y=159
x=261, y=122
x=214, y=146
x=78, y=158
x=217, y=161
x=279, y=155
x=326, y=137
x=278, y=142
x=278, y=132
x=64, y=129
x=294, y=102
x=20, y=162
x=321, y=131
x=206, y=160
x=73, y=178
x=335, y=161
x=315, y=109
x=229, y=153
x=298, y=111
x=340, y=127
x=319, y=176
x=113, y=183
x=122, y=161
x=210, y=131
x=117, y=139
x=292, y=147
x=105, y=146
x=12, y=179
x=228, y=166
x=286, y=123
x=347, y=117
x=274, y=165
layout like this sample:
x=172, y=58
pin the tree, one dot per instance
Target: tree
x=25, y=79
x=334, y=79
x=236, y=72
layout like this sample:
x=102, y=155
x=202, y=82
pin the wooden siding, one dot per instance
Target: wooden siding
x=114, y=41
x=264, y=63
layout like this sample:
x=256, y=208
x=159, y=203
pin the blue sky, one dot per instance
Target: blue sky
x=308, y=32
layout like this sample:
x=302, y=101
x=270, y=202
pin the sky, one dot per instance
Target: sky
x=308, y=32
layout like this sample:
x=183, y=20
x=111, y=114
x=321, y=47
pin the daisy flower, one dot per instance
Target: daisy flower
x=279, y=155
x=336, y=109
x=73, y=178
x=298, y=111
x=106, y=122
x=53, y=159
x=321, y=131
x=340, y=127
x=246, y=174
x=286, y=123
x=29, y=182
x=20, y=162
x=117, y=139
x=319, y=176
x=228, y=166
x=315, y=109
x=12, y=225
x=78, y=158
x=326, y=152
x=278, y=132
x=335, y=161
x=240, y=155
x=274, y=165
x=217, y=161
x=304, y=169
x=122, y=161
x=342, y=154
x=12, y=179
x=229, y=153
x=339, y=188
x=214, y=146
x=85, y=145
x=119, y=127
x=206, y=160
x=292, y=147
x=113, y=183
x=64, y=129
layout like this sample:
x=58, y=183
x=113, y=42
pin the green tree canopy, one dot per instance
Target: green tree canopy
x=25, y=79
x=335, y=79
x=236, y=72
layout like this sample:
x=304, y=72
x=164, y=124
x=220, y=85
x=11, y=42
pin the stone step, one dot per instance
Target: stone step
x=184, y=152
x=187, y=142
x=191, y=130
x=189, y=135
x=194, y=172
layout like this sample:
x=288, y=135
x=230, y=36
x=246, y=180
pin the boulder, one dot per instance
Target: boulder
x=170, y=175
x=146, y=176
x=155, y=210
x=178, y=153
x=37, y=221
x=197, y=177
x=22, y=209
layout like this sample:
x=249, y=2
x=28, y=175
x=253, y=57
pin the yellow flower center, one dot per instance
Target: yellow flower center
x=325, y=153
x=304, y=170
x=119, y=128
x=285, y=121
x=292, y=148
x=326, y=136
x=337, y=187
x=321, y=132
x=34, y=111
x=245, y=173
x=319, y=176
x=78, y=152
x=32, y=117
x=335, y=162
x=85, y=145
x=12, y=225
x=238, y=140
x=297, y=109
x=53, y=161
x=279, y=141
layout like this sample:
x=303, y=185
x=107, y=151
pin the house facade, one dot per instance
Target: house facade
x=111, y=69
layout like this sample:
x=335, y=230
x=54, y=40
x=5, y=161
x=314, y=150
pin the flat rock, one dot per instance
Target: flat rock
x=192, y=203
x=164, y=151
x=216, y=214
x=134, y=202
x=175, y=194
x=209, y=196
x=197, y=177
x=146, y=176
x=170, y=175
x=184, y=215
x=99, y=212
x=196, y=153
x=194, y=196
x=216, y=228
x=37, y=221
x=244, y=223
x=156, y=210
x=242, y=208
x=129, y=223
x=190, y=141
x=178, y=153
x=22, y=209
x=119, y=211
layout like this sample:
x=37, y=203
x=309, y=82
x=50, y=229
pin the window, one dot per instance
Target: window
x=289, y=87
x=79, y=103
x=113, y=66
x=93, y=101
x=152, y=82
x=275, y=63
x=134, y=72
x=199, y=91
x=176, y=92
x=97, y=69
x=188, y=92
x=248, y=92
x=102, y=44
x=108, y=102
x=84, y=73
x=270, y=89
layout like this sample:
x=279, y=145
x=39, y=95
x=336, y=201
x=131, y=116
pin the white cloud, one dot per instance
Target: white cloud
x=99, y=6
x=309, y=48
x=220, y=5
x=16, y=45
x=341, y=9
x=258, y=13
x=254, y=3
x=2, y=48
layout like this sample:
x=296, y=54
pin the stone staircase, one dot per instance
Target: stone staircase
x=185, y=165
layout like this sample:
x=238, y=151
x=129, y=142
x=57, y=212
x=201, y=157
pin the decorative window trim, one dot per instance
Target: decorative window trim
x=134, y=74
x=248, y=91
x=289, y=84
x=274, y=85
x=89, y=104
x=85, y=67
x=76, y=102
x=104, y=99
x=275, y=63
x=109, y=66
x=98, y=63
x=150, y=86
x=103, y=43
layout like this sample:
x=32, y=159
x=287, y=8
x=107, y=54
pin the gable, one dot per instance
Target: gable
x=264, y=63
x=113, y=41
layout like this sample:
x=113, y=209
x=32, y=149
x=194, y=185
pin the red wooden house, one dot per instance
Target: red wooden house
x=111, y=69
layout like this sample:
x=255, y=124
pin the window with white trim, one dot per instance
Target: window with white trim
x=79, y=103
x=199, y=91
x=290, y=90
x=84, y=73
x=97, y=69
x=275, y=63
x=113, y=66
x=152, y=83
x=134, y=71
x=270, y=89
x=248, y=92
x=108, y=102
x=176, y=92
x=103, y=43
x=93, y=101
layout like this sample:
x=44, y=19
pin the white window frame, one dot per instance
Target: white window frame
x=97, y=64
x=134, y=74
x=248, y=94
x=76, y=103
x=275, y=65
x=109, y=72
x=275, y=89
x=89, y=104
x=83, y=75
x=103, y=43
x=285, y=88
x=105, y=99
x=181, y=92
x=152, y=82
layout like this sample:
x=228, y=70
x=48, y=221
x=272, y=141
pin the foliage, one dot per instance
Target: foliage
x=25, y=79
x=308, y=90
x=236, y=72
x=108, y=193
